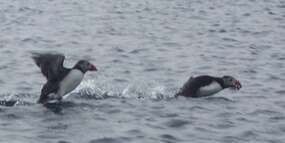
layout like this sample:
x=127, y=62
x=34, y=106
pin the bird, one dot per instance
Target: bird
x=206, y=85
x=60, y=80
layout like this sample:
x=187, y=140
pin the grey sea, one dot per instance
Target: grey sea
x=144, y=51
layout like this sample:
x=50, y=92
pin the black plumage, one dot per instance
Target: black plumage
x=52, y=68
x=194, y=84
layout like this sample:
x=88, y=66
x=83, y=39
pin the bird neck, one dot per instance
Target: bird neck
x=221, y=82
x=77, y=67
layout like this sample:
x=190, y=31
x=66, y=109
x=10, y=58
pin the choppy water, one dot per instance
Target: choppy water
x=145, y=50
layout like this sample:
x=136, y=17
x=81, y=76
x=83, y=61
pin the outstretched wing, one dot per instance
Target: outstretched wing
x=51, y=65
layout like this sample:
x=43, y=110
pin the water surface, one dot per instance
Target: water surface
x=145, y=50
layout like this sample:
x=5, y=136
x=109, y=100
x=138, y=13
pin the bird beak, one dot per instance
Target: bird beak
x=92, y=68
x=237, y=85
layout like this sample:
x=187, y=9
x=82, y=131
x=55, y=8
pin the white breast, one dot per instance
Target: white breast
x=210, y=89
x=70, y=82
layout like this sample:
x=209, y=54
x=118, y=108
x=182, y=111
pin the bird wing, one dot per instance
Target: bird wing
x=51, y=65
x=188, y=88
x=48, y=88
x=191, y=87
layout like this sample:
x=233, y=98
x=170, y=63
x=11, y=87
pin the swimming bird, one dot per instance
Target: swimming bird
x=60, y=80
x=206, y=85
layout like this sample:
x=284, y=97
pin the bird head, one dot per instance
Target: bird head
x=85, y=66
x=231, y=82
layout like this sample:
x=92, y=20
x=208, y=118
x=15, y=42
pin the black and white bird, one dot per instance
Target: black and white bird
x=60, y=80
x=206, y=85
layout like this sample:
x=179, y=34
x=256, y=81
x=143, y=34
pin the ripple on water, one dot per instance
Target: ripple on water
x=265, y=112
x=12, y=116
x=282, y=128
x=197, y=108
x=59, y=126
x=223, y=125
x=111, y=140
x=63, y=142
x=113, y=111
x=278, y=118
x=150, y=69
x=119, y=50
x=169, y=138
x=245, y=120
x=177, y=123
x=281, y=92
x=137, y=51
x=249, y=134
x=169, y=115
x=280, y=103
x=232, y=139
x=136, y=133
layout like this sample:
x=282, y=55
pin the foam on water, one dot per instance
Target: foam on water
x=135, y=89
